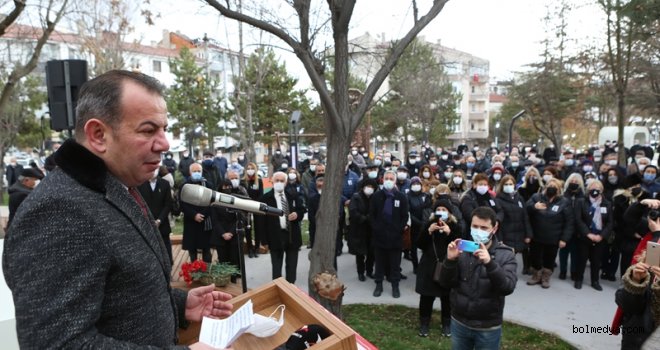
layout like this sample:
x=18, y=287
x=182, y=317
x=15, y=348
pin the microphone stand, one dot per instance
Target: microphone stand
x=240, y=232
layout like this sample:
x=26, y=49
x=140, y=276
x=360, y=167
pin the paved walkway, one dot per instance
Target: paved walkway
x=560, y=310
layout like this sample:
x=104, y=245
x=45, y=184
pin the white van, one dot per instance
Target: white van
x=632, y=135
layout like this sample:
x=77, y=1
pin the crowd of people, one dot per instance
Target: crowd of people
x=557, y=209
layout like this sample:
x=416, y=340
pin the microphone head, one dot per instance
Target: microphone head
x=196, y=195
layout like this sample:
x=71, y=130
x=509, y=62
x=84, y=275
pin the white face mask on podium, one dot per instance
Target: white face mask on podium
x=264, y=327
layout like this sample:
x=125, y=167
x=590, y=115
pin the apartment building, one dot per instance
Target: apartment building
x=469, y=76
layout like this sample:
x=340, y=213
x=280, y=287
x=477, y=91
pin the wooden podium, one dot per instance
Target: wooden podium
x=300, y=310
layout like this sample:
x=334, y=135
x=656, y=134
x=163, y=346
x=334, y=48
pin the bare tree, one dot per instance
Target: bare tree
x=341, y=120
x=50, y=15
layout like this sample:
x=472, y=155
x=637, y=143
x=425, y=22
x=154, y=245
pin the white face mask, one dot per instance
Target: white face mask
x=285, y=165
x=444, y=157
x=433, y=162
x=508, y=189
x=547, y=178
x=401, y=176
x=416, y=188
x=497, y=176
x=482, y=189
x=426, y=174
x=250, y=172
x=373, y=174
x=312, y=168
x=234, y=183
x=264, y=327
x=458, y=180
x=388, y=184
x=278, y=186
x=368, y=191
x=293, y=176
x=432, y=190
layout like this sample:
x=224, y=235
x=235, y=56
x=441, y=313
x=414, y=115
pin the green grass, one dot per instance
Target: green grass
x=395, y=327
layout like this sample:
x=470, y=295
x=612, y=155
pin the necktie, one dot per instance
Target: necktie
x=285, y=208
x=139, y=201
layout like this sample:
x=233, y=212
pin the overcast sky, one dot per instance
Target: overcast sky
x=505, y=32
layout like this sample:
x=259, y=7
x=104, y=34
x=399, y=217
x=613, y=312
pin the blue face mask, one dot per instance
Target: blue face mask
x=442, y=215
x=649, y=177
x=470, y=165
x=196, y=176
x=479, y=236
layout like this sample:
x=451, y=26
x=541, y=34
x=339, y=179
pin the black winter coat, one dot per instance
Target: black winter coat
x=625, y=231
x=637, y=301
x=17, y=194
x=195, y=234
x=470, y=201
x=555, y=223
x=425, y=284
x=388, y=234
x=577, y=209
x=419, y=204
x=359, y=231
x=515, y=225
x=478, y=290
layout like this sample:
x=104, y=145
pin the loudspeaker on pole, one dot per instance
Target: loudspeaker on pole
x=63, y=80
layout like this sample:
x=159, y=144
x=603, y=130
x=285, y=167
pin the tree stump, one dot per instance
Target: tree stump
x=330, y=292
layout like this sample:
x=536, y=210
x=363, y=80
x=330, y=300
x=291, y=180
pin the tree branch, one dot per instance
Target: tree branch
x=19, y=6
x=391, y=60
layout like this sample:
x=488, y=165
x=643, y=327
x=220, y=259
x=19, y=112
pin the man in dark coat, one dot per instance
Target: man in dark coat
x=103, y=278
x=388, y=210
x=479, y=282
x=157, y=194
x=359, y=234
x=170, y=163
x=283, y=233
x=27, y=181
x=197, y=223
x=184, y=164
x=13, y=171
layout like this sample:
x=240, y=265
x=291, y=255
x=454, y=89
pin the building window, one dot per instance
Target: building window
x=472, y=126
x=157, y=66
x=472, y=88
x=473, y=107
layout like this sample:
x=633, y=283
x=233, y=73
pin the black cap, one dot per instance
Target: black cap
x=632, y=180
x=208, y=152
x=31, y=172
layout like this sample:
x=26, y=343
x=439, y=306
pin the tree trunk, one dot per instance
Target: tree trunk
x=620, y=119
x=322, y=260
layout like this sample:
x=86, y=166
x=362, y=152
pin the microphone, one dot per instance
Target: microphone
x=204, y=197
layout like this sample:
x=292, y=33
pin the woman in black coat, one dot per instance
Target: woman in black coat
x=594, y=223
x=225, y=224
x=515, y=229
x=419, y=204
x=441, y=229
x=553, y=223
x=359, y=230
x=255, y=189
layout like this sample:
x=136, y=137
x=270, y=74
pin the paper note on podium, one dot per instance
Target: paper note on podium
x=222, y=333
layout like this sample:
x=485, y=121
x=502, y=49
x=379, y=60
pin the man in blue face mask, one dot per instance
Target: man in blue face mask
x=476, y=313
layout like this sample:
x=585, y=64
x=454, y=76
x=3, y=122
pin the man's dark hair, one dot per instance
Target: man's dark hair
x=100, y=97
x=485, y=213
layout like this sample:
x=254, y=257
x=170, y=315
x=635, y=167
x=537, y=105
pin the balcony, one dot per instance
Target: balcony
x=482, y=116
x=480, y=134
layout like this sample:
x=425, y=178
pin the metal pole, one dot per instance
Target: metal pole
x=513, y=120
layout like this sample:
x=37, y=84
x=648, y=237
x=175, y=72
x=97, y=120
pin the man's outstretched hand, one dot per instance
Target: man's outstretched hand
x=205, y=301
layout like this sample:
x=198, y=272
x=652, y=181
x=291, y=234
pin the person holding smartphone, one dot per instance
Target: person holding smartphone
x=479, y=282
x=638, y=298
x=441, y=228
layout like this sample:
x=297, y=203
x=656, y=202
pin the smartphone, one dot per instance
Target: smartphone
x=467, y=246
x=652, y=254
